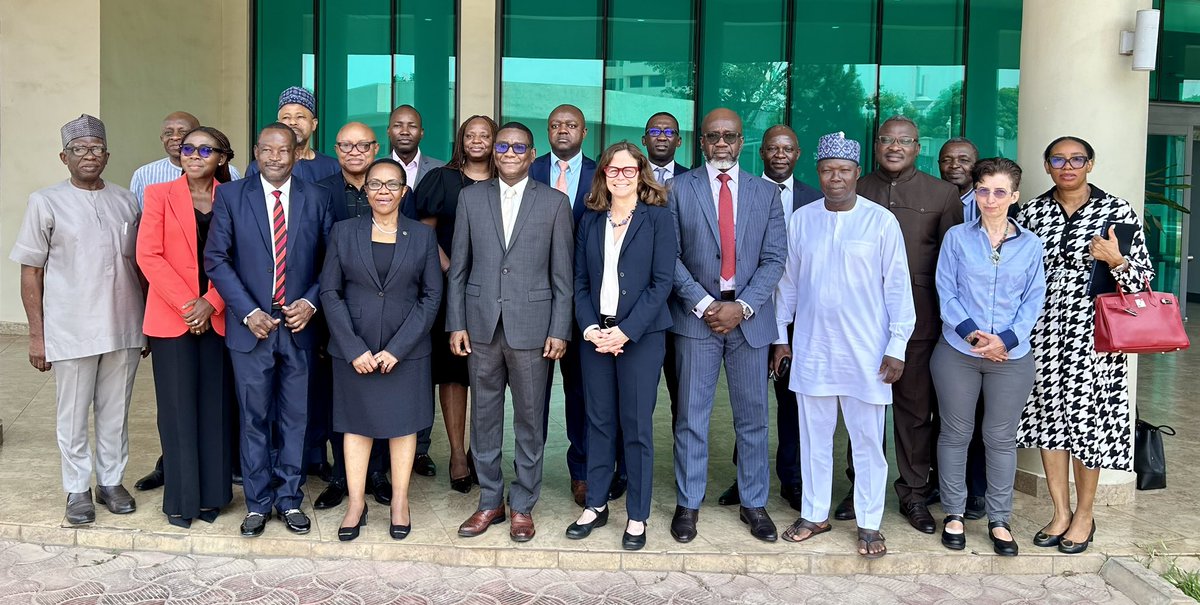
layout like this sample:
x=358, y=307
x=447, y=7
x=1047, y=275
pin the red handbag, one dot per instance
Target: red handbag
x=1142, y=322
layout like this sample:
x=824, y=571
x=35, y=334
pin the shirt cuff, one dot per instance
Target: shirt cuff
x=314, y=307
x=1010, y=339
x=246, y=319
x=965, y=328
x=701, y=306
x=748, y=311
x=895, y=348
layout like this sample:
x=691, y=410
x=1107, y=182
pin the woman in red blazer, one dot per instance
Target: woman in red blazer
x=185, y=321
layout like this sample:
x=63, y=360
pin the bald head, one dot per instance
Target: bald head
x=174, y=126
x=356, y=147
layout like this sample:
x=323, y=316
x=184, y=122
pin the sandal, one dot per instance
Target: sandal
x=867, y=537
x=802, y=524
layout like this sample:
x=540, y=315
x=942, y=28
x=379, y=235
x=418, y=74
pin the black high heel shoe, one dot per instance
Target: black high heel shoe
x=208, y=515
x=578, y=531
x=346, y=534
x=1068, y=547
x=179, y=521
x=1004, y=548
x=400, y=532
x=1045, y=540
x=954, y=541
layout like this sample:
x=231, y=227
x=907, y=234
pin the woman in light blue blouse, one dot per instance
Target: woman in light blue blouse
x=991, y=285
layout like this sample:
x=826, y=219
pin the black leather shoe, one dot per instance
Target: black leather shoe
x=976, y=508
x=954, y=541
x=579, y=531
x=321, y=470
x=761, y=525
x=918, y=516
x=1068, y=547
x=632, y=542
x=346, y=534
x=934, y=497
x=152, y=480
x=423, y=465
x=254, y=523
x=462, y=485
x=296, y=521
x=793, y=494
x=1045, y=540
x=236, y=478
x=379, y=486
x=730, y=496
x=845, y=508
x=332, y=495
x=1004, y=548
x=399, y=532
x=683, y=524
x=116, y=499
x=209, y=515
x=619, y=484
x=80, y=509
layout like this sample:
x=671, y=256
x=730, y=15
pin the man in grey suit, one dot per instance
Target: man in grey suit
x=732, y=249
x=509, y=309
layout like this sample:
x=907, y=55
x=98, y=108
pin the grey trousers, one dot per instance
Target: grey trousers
x=958, y=378
x=103, y=384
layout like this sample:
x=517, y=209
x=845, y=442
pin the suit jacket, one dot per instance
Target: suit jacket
x=927, y=208
x=761, y=243
x=167, y=256
x=645, y=270
x=528, y=282
x=365, y=314
x=539, y=171
x=240, y=260
x=803, y=195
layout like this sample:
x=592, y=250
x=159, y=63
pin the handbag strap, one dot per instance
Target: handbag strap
x=1166, y=430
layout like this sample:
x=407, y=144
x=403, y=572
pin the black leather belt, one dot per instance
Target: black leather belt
x=608, y=321
x=728, y=295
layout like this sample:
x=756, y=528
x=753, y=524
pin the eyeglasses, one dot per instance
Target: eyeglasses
x=627, y=171
x=1058, y=162
x=774, y=149
x=517, y=148
x=204, y=150
x=712, y=138
x=376, y=185
x=81, y=151
x=983, y=193
x=661, y=132
x=361, y=147
x=888, y=140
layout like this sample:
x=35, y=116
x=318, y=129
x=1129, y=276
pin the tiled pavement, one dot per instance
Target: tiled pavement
x=31, y=503
x=77, y=576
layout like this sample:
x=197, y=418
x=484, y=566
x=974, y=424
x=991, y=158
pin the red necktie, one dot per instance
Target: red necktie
x=280, y=248
x=725, y=222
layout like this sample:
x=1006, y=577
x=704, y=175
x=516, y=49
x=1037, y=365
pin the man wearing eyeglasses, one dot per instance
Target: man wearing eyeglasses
x=566, y=169
x=83, y=298
x=926, y=207
x=509, y=311
x=732, y=248
x=661, y=140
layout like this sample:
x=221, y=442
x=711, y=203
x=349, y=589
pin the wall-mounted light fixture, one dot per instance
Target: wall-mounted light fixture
x=1142, y=42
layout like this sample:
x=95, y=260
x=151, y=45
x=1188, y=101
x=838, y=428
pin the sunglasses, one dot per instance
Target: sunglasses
x=517, y=148
x=627, y=172
x=205, y=151
x=712, y=138
x=661, y=132
x=983, y=193
x=1058, y=162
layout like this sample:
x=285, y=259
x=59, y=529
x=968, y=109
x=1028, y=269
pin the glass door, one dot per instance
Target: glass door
x=1166, y=212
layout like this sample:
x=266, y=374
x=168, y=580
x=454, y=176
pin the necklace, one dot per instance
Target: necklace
x=627, y=217
x=382, y=230
x=998, y=246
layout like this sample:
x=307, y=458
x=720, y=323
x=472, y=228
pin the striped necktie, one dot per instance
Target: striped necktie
x=280, y=231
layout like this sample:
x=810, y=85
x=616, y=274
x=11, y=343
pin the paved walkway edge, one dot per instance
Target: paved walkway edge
x=529, y=556
x=1142, y=585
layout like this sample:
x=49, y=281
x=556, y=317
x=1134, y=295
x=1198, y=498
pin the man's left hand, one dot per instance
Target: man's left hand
x=891, y=369
x=723, y=317
x=554, y=349
x=297, y=315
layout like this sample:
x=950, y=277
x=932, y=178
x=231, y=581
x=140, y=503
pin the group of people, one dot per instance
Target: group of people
x=319, y=300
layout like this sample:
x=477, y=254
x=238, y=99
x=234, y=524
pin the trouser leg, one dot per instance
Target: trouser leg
x=699, y=365
x=75, y=387
x=914, y=403
x=817, y=419
x=527, y=375
x=864, y=422
x=489, y=377
x=1006, y=388
x=745, y=373
x=114, y=388
x=957, y=378
x=637, y=383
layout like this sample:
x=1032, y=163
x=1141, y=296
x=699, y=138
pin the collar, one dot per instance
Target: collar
x=1095, y=193
x=286, y=187
x=574, y=164
x=1017, y=230
x=173, y=164
x=713, y=172
x=789, y=184
x=519, y=187
x=416, y=161
x=969, y=196
x=905, y=175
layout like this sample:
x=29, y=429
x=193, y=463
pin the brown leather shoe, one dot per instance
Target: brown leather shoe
x=521, y=527
x=479, y=522
x=579, y=490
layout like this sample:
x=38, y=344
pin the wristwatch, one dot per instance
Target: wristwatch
x=747, y=312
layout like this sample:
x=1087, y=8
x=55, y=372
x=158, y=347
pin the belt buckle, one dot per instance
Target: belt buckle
x=608, y=322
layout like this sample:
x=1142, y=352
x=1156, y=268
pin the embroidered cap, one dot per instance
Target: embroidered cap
x=835, y=146
x=298, y=96
x=83, y=126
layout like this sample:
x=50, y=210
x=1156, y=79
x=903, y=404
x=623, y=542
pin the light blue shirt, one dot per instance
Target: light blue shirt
x=574, y=165
x=970, y=208
x=999, y=293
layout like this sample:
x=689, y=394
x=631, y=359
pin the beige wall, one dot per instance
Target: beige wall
x=129, y=62
x=477, y=62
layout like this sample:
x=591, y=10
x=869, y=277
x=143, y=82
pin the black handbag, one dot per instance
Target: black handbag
x=1149, y=461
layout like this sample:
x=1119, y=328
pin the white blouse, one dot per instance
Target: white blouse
x=610, y=287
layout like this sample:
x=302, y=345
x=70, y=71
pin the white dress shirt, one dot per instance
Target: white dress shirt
x=786, y=194
x=510, y=216
x=610, y=286
x=726, y=284
x=284, y=200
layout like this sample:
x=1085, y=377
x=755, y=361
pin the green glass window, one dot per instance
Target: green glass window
x=281, y=61
x=993, y=71
x=1178, y=74
x=423, y=69
x=355, y=68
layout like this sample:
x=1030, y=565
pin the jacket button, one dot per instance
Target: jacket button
x=381, y=294
x=504, y=271
x=499, y=300
x=621, y=274
x=622, y=293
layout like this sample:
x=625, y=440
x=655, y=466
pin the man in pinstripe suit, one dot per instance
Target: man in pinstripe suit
x=732, y=248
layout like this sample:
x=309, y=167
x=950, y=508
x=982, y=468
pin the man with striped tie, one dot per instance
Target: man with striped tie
x=264, y=254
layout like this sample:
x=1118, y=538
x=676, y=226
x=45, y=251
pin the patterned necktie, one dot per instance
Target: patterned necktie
x=725, y=222
x=660, y=175
x=561, y=183
x=280, y=230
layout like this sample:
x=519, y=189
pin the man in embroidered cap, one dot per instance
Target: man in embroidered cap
x=298, y=109
x=846, y=291
x=83, y=300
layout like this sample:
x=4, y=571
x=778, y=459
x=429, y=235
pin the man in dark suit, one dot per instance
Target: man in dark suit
x=264, y=252
x=509, y=309
x=779, y=151
x=566, y=169
x=661, y=140
x=732, y=248
x=927, y=208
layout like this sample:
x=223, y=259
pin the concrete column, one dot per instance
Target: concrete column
x=1074, y=82
x=478, y=64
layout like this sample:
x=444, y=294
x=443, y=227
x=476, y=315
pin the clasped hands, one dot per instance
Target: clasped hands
x=723, y=316
x=988, y=346
x=369, y=362
x=607, y=340
x=197, y=314
x=295, y=317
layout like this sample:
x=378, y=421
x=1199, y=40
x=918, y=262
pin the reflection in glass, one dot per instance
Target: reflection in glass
x=1163, y=216
x=932, y=95
x=1178, y=74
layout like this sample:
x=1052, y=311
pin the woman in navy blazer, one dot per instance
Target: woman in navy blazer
x=380, y=287
x=625, y=251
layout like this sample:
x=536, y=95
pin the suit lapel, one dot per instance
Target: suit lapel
x=744, y=211
x=296, y=207
x=362, y=243
x=704, y=195
x=255, y=201
x=399, y=252
x=493, y=197
x=639, y=217
x=179, y=198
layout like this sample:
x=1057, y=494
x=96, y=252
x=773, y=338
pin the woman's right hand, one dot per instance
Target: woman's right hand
x=365, y=363
x=990, y=346
x=197, y=312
